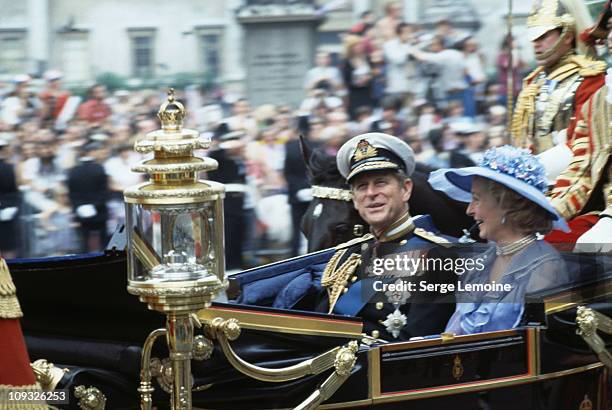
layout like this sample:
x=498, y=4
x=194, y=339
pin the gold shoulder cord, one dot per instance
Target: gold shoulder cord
x=9, y=305
x=525, y=108
x=336, y=279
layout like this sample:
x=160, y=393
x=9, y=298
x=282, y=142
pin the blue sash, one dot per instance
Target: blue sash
x=362, y=291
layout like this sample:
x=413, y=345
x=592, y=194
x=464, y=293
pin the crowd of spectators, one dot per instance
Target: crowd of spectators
x=65, y=160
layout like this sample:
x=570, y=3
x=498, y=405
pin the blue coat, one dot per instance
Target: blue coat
x=537, y=267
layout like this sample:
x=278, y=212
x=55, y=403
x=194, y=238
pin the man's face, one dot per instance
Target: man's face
x=323, y=60
x=443, y=29
x=405, y=34
x=394, y=9
x=380, y=198
x=46, y=150
x=99, y=93
x=476, y=141
x=389, y=115
x=241, y=107
x=545, y=42
x=436, y=46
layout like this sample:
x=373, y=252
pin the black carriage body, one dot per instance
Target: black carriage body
x=78, y=315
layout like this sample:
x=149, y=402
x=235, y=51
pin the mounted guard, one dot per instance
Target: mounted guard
x=583, y=192
x=566, y=76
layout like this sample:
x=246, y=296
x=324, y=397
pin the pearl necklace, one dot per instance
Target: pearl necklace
x=515, y=246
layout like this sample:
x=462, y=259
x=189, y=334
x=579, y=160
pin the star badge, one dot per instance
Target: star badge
x=395, y=322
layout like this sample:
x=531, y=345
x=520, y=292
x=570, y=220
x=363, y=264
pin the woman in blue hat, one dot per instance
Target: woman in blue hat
x=506, y=196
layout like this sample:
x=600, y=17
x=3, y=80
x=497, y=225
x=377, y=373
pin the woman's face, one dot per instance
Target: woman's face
x=486, y=211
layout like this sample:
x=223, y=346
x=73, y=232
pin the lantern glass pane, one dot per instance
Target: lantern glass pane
x=173, y=242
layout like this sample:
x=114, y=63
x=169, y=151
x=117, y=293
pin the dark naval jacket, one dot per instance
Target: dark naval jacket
x=355, y=277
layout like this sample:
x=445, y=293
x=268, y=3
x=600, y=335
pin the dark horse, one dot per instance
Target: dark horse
x=331, y=218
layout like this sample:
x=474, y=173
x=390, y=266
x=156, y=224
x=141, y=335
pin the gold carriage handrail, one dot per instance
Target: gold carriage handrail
x=229, y=330
x=326, y=192
x=285, y=322
x=344, y=363
x=575, y=296
x=589, y=322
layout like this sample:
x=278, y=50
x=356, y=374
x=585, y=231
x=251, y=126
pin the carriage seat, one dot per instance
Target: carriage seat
x=289, y=284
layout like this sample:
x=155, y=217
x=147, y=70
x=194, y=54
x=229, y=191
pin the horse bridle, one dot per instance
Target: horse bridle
x=339, y=194
x=331, y=193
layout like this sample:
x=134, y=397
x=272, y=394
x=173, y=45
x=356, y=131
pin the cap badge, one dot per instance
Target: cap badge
x=364, y=150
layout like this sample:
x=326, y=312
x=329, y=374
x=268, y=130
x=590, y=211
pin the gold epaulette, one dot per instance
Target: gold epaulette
x=9, y=305
x=589, y=67
x=431, y=237
x=352, y=242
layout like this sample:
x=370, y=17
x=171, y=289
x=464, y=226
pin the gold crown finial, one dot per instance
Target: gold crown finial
x=171, y=113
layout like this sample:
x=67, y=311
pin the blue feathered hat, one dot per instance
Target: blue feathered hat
x=515, y=168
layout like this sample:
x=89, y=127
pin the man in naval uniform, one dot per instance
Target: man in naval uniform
x=553, y=94
x=583, y=192
x=378, y=167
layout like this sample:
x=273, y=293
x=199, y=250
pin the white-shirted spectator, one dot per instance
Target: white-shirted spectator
x=323, y=74
x=385, y=27
x=400, y=73
x=19, y=105
x=42, y=174
x=452, y=68
x=242, y=120
x=119, y=169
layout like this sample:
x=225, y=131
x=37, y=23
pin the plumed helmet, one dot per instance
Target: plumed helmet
x=571, y=16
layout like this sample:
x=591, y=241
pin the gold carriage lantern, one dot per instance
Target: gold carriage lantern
x=175, y=242
x=174, y=221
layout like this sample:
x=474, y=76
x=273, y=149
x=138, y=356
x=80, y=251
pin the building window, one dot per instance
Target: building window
x=143, y=56
x=13, y=52
x=211, y=52
x=75, y=56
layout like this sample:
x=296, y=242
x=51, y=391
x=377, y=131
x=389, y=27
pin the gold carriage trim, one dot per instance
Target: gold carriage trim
x=9, y=305
x=331, y=193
